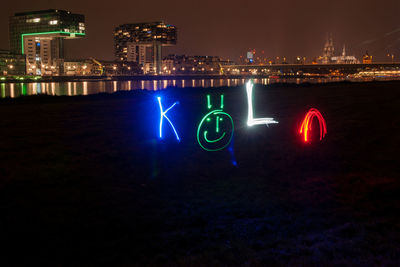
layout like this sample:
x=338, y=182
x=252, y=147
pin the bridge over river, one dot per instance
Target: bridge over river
x=309, y=68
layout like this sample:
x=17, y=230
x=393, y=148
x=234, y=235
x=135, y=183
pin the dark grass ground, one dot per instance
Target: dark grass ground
x=84, y=180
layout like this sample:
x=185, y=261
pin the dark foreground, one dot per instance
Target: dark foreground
x=84, y=180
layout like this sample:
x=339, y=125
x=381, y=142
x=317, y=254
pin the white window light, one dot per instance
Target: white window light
x=34, y=20
x=53, y=22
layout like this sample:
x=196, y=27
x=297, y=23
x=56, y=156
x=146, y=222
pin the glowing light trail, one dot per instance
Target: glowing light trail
x=163, y=115
x=212, y=141
x=307, y=122
x=221, y=134
x=251, y=121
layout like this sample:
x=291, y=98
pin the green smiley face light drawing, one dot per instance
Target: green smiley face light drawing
x=215, y=130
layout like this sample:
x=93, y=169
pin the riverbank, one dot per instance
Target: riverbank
x=84, y=179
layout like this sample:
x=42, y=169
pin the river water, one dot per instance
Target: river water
x=95, y=87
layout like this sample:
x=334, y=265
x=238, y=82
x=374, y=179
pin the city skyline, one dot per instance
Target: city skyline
x=229, y=29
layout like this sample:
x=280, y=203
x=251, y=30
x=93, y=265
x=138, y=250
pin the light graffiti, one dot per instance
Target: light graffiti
x=163, y=115
x=251, y=121
x=218, y=138
x=307, y=122
x=232, y=152
x=215, y=130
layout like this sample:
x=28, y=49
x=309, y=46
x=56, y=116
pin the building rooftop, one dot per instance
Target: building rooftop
x=42, y=12
x=146, y=24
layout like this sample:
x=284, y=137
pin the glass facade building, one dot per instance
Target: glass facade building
x=143, y=42
x=40, y=36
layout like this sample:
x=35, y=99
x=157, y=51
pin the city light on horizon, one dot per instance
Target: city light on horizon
x=304, y=37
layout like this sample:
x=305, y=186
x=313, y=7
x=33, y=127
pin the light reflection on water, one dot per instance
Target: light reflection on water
x=94, y=87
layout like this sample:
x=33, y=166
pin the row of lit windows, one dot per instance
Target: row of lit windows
x=34, y=20
x=37, y=20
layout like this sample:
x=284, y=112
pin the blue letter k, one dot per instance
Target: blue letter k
x=163, y=115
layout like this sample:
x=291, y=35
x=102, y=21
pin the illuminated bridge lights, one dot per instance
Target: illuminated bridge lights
x=307, y=122
x=163, y=115
x=251, y=121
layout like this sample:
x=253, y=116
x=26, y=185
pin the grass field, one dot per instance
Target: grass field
x=84, y=180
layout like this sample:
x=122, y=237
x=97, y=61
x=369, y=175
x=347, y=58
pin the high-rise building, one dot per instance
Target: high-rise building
x=40, y=36
x=143, y=42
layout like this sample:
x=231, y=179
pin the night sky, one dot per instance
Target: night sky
x=230, y=28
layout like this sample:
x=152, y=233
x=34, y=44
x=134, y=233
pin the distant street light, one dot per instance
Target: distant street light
x=392, y=56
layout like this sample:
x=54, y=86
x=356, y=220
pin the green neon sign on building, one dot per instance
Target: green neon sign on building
x=47, y=33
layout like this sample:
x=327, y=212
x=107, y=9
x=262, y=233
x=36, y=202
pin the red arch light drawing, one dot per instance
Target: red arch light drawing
x=307, y=122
